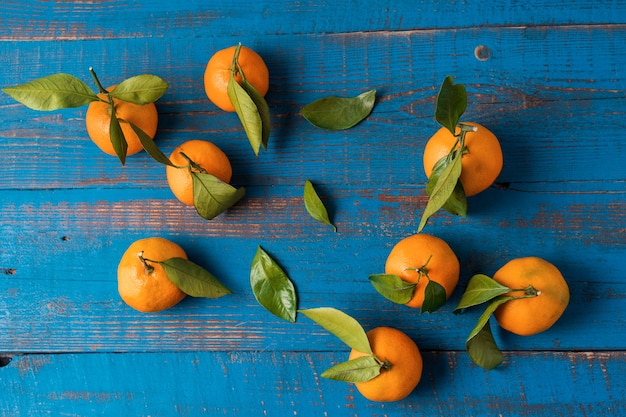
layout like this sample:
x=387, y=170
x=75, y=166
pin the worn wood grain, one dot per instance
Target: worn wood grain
x=289, y=383
x=546, y=77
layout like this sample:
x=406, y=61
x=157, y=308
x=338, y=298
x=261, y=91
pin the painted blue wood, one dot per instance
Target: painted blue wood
x=547, y=78
x=278, y=384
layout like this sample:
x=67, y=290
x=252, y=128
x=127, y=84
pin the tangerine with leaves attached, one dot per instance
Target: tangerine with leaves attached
x=98, y=122
x=144, y=285
x=543, y=295
x=220, y=67
x=481, y=160
x=421, y=258
x=199, y=156
x=401, y=368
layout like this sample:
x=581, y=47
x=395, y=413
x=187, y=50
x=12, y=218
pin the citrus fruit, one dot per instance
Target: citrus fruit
x=98, y=120
x=532, y=315
x=218, y=70
x=142, y=284
x=481, y=161
x=421, y=257
x=206, y=156
x=402, y=365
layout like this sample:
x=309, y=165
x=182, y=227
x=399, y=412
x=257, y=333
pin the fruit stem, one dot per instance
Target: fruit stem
x=144, y=261
x=97, y=81
x=192, y=165
x=529, y=292
x=234, y=66
x=422, y=270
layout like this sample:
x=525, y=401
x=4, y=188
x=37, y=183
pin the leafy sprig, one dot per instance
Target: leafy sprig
x=62, y=91
x=315, y=206
x=444, y=187
x=250, y=106
x=480, y=344
x=189, y=277
x=339, y=113
x=349, y=331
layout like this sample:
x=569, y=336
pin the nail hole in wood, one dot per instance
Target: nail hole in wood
x=482, y=53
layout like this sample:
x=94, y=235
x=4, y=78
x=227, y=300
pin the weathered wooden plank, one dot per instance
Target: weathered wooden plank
x=28, y=20
x=60, y=252
x=278, y=384
x=548, y=116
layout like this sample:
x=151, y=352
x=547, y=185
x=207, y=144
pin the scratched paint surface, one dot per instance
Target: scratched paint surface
x=546, y=77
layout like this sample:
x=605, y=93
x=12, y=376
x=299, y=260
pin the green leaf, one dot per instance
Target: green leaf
x=314, y=205
x=192, y=279
x=457, y=202
x=264, y=111
x=480, y=288
x=212, y=196
x=271, y=286
x=117, y=136
x=483, y=350
x=57, y=91
x=141, y=89
x=444, y=187
x=360, y=369
x=343, y=326
x=393, y=288
x=149, y=146
x=434, y=297
x=248, y=113
x=451, y=104
x=484, y=318
x=338, y=113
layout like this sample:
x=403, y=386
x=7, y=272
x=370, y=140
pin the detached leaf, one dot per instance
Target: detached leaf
x=314, y=205
x=263, y=109
x=393, y=288
x=457, y=202
x=451, y=104
x=360, y=369
x=248, y=113
x=117, y=137
x=57, y=91
x=141, y=89
x=443, y=188
x=480, y=288
x=338, y=113
x=344, y=327
x=192, y=279
x=483, y=349
x=434, y=297
x=271, y=287
x=212, y=196
x=149, y=146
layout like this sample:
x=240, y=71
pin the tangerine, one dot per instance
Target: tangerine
x=402, y=366
x=422, y=257
x=218, y=70
x=144, y=285
x=545, y=296
x=481, y=160
x=98, y=121
x=206, y=156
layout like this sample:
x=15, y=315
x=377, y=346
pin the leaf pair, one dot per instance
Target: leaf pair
x=339, y=113
x=191, y=278
x=444, y=187
x=61, y=91
x=250, y=106
x=480, y=344
x=398, y=291
x=350, y=332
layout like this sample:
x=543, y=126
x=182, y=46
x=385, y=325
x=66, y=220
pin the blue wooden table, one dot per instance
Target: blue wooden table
x=548, y=78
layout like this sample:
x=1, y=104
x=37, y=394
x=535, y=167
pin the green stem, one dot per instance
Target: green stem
x=192, y=165
x=234, y=66
x=422, y=270
x=529, y=292
x=97, y=81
